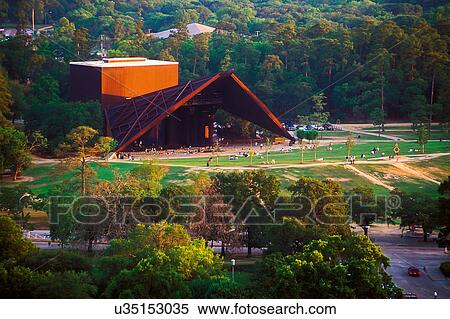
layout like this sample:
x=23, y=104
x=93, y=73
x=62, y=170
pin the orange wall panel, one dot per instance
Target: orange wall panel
x=138, y=80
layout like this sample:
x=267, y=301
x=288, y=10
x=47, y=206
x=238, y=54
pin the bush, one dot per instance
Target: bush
x=57, y=261
x=107, y=267
x=216, y=288
x=64, y=285
x=445, y=268
x=12, y=243
x=15, y=281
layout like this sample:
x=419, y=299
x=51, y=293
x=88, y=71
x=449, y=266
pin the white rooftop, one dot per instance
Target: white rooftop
x=192, y=28
x=122, y=62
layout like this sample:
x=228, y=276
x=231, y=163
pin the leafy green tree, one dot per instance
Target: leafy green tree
x=37, y=142
x=64, y=285
x=80, y=141
x=321, y=202
x=164, y=260
x=377, y=117
x=14, y=201
x=443, y=214
x=55, y=119
x=417, y=209
x=331, y=267
x=254, y=194
x=365, y=208
x=319, y=116
x=105, y=145
x=148, y=176
x=422, y=138
x=6, y=99
x=16, y=281
x=14, y=152
x=311, y=135
x=12, y=244
x=349, y=144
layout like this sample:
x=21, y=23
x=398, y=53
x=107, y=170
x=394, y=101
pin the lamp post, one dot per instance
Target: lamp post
x=21, y=208
x=366, y=230
x=233, y=263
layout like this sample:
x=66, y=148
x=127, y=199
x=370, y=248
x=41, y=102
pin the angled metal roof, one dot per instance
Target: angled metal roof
x=129, y=121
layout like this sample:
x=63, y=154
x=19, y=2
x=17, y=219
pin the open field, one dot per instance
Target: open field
x=337, y=154
x=405, y=131
x=413, y=173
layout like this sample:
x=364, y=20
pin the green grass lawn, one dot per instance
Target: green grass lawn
x=336, y=155
x=47, y=177
x=388, y=127
x=410, y=135
x=327, y=135
x=347, y=178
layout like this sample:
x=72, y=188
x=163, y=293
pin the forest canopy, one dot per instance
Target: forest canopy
x=364, y=56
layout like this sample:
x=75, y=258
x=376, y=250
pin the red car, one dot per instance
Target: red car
x=413, y=271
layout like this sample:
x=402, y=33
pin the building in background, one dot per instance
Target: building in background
x=192, y=28
x=144, y=106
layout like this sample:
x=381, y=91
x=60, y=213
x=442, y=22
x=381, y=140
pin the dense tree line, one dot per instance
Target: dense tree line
x=371, y=60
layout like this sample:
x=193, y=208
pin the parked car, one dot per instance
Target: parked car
x=328, y=127
x=413, y=272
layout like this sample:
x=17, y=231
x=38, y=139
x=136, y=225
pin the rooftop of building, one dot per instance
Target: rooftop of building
x=122, y=62
x=193, y=29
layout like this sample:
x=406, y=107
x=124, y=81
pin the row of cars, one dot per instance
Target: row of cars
x=293, y=127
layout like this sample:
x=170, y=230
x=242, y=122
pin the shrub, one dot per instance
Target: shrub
x=64, y=285
x=57, y=261
x=445, y=268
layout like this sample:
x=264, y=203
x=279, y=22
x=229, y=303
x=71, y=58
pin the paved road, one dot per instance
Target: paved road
x=412, y=251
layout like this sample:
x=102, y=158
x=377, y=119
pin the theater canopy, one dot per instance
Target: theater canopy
x=185, y=106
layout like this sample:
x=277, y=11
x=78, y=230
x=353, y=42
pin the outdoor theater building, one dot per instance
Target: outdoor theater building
x=143, y=103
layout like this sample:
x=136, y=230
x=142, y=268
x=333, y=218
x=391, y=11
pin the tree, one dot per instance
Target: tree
x=330, y=267
x=163, y=260
x=253, y=194
x=12, y=243
x=319, y=116
x=80, y=148
x=364, y=207
x=6, y=99
x=105, y=145
x=311, y=135
x=14, y=201
x=416, y=209
x=14, y=152
x=443, y=214
x=321, y=202
x=422, y=138
x=37, y=142
x=55, y=119
x=19, y=102
x=201, y=58
x=213, y=221
x=148, y=177
x=377, y=117
x=64, y=285
x=349, y=144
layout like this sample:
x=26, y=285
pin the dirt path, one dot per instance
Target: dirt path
x=415, y=172
x=371, y=178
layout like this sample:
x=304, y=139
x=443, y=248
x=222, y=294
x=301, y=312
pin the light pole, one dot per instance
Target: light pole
x=233, y=263
x=21, y=208
x=366, y=230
